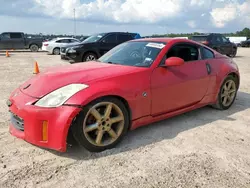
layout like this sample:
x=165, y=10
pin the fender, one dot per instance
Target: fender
x=93, y=49
x=227, y=70
x=139, y=105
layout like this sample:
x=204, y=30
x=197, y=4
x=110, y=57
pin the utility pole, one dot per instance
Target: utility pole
x=75, y=21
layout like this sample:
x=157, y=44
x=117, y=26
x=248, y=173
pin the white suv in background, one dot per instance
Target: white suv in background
x=53, y=46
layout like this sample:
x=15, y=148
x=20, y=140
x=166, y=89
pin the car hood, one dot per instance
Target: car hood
x=56, y=77
x=80, y=45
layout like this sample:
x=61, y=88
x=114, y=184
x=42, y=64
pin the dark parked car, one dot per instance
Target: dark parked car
x=65, y=47
x=96, y=45
x=17, y=40
x=245, y=43
x=218, y=42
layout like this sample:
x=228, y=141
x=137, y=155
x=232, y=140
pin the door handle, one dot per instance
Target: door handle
x=208, y=66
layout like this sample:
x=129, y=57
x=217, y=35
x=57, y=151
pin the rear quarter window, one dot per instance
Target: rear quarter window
x=207, y=54
x=124, y=37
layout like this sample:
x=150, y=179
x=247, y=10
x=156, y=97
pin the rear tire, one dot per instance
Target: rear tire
x=34, y=48
x=234, y=53
x=227, y=93
x=101, y=124
x=56, y=51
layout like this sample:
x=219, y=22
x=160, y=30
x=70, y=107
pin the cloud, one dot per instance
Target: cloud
x=231, y=12
x=129, y=11
x=221, y=16
x=173, y=15
x=191, y=23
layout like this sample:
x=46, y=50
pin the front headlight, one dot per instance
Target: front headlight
x=58, y=97
x=71, y=50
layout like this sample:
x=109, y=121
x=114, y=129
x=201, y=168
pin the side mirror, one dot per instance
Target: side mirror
x=174, y=61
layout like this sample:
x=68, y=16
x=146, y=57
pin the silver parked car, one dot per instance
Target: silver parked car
x=53, y=46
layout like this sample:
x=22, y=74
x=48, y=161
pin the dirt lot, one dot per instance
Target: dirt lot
x=203, y=148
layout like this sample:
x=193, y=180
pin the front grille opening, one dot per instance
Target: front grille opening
x=16, y=121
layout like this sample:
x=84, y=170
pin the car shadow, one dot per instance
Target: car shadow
x=238, y=56
x=166, y=129
x=20, y=51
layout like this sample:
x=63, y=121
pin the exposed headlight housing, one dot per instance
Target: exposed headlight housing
x=71, y=50
x=60, y=96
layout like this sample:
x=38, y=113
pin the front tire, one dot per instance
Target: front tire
x=89, y=57
x=227, y=93
x=101, y=125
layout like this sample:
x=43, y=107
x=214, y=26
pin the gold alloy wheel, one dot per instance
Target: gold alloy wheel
x=103, y=124
x=228, y=93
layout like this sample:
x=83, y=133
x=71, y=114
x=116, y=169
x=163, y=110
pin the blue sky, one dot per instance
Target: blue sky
x=143, y=16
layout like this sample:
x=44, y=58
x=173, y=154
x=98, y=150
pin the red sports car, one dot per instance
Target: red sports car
x=134, y=84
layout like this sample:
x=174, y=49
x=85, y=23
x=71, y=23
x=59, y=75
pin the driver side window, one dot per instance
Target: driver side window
x=187, y=52
x=111, y=38
x=224, y=39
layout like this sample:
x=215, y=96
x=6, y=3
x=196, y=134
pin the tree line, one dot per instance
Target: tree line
x=243, y=33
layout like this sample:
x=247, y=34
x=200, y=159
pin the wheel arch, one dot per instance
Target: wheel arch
x=33, y=43
x=236, y=76
x=56, y=48
x=122, y=99
x=69, y=136
x=231, y=73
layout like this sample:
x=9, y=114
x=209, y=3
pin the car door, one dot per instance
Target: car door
x=107, y=43
x=62, y=42
x=73, y=41
x=220, y=45
x=228, y=47
x=178, y=87
x=123, y=38
x=5, y=41
x=17, y=41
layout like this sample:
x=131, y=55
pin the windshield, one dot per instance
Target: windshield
x=133, y=53
x=94, y=38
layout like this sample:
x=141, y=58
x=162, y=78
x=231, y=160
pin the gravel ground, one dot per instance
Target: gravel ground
x=203, y=148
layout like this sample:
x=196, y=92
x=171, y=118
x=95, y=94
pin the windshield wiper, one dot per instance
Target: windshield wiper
x=110, y=62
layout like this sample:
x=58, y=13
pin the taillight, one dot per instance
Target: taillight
x=205, y=42
x=46, y=44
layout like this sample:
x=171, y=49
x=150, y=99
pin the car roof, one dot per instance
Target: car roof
x=11, y=32
x=61, y=38
x=200, y=35
x=166, y=40
x=205, y=34
x=119, y=33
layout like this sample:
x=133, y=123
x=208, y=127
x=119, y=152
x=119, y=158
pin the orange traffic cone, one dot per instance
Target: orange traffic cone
x=7, y=53
x=36, y=69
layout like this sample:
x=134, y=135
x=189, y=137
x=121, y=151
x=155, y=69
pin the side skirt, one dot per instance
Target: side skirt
x=152, y=119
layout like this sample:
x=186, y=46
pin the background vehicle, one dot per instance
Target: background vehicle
x=245, y=43
x=53, y=46
x=96, y=45
x=17, y=40
x=217, y=42
x=136, y=83
x=66, y=46
x=237, y=40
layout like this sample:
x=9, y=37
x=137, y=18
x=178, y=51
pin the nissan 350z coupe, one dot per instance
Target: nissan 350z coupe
x=134, y=84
